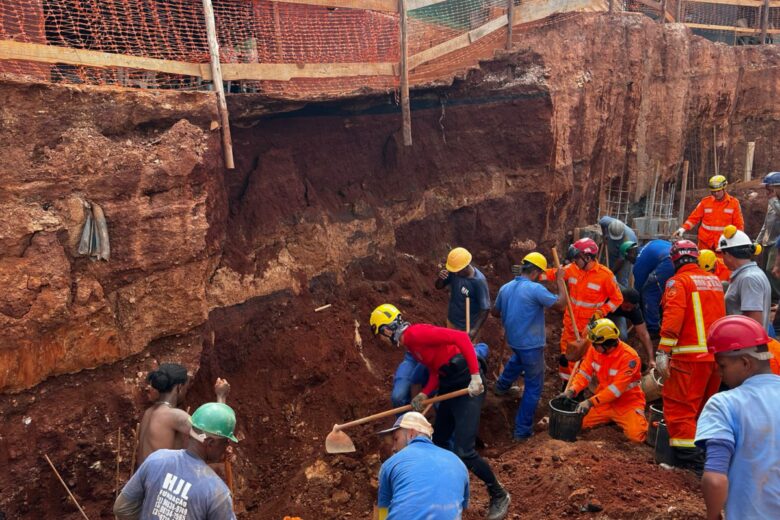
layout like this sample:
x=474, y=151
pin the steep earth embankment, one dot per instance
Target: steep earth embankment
x=326, y=206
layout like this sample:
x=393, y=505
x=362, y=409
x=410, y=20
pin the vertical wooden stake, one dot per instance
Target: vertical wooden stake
x=510, y=16
x=679, y=13
x=405, y=111
x=715, y=149
x=764, y=21
x=751, y=150
x=611, y=5
x=216, y=78
x=118, y=458
x=683, y=191
x=663, y=11
x=57, y=473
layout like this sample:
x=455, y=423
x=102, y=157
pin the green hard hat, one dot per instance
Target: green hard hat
x=625, y=246
x=215, y=419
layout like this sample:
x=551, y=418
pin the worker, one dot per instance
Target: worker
x=652, y=269
x=710, y=262
x=179, y=483
x=616, y=233
x=770, y=231
x=592, y=287
x=520, y=305
x=740, y=428
x=618, y=397
x=713, y=214
x=409, y=374
x=466, y=282
x=774, y=348
x=749, y=292
x=421, y=480
x=164, y=426
x=630, y=311
x=452, y=364
x=692, y=301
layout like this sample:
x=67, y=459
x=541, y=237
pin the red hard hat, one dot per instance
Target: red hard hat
x=683, y=248
x=735, y=333
x=586, y=246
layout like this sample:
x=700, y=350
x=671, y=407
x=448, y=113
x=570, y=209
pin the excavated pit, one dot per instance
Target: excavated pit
x=223, y=270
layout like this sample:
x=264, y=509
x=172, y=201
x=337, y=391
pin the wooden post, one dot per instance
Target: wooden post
x=611, y=6
x=751, y=150
x=510, y=16
x=405, y=111
x=715, y=149
x=684, y=191
x=216, y=77
x=679, y=13
x=764, y=21
x=663, y=11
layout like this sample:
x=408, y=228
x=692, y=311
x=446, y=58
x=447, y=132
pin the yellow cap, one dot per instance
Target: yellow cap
x=458, y=259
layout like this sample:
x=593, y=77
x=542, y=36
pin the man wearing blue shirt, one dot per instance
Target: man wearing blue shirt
x=465, y=282
x=421, y=481
x=520, y=304
x=652, y=270
x=740, y=428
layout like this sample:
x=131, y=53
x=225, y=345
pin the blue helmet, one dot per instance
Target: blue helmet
x=772, y=179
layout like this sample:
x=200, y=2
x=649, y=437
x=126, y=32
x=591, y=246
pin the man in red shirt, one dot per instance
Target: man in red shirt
x=452, y=364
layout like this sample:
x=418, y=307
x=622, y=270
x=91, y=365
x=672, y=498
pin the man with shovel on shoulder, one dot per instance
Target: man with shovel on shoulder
x=452, y=364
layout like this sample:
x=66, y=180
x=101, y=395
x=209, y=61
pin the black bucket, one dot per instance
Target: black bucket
x=664, y=454
x=565, y=423
x=654, y=417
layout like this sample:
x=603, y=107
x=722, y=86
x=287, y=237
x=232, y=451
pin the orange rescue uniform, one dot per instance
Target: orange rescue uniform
x=774, y=363
x=721, y=271
x=714, y=215
x=589, y=291
x=618, y=397
x=693, y=299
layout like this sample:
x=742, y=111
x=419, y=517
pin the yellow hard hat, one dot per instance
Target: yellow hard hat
x=707, y=260
x=385, y=314
x=602, y=330
x=718, y=182
x=458, y=259
x=536, y=259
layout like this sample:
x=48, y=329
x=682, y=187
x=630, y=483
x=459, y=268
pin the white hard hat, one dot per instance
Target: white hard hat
x=616, y=229
x=732, y=237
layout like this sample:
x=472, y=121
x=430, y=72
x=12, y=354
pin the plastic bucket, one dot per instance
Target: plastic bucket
x=651, y=385
x=565, y=423
x=654, y=417
x=664, y=454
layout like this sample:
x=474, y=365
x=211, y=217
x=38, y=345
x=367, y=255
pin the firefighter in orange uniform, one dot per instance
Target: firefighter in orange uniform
x=618, y=368
x=714, y=212
x=592, y=289
x=692, y=301
x=710, y=262
x=774, y=363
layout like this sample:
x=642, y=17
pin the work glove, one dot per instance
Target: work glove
x=475, y=386
x=597, y=315
x=584, y=407
x=444, y=274
x=517, y=270
x=568, y=394
x=678, y=233
x=417, y=402
x=662, y=364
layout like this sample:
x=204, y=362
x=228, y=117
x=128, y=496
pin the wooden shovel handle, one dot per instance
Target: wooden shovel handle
x=400, y=409
x=557, y=263
x=571, y=376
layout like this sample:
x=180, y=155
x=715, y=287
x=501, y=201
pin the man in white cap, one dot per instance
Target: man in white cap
x=421, y=480
x=615, y=233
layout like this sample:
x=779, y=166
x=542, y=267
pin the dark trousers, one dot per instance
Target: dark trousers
x=459, y=419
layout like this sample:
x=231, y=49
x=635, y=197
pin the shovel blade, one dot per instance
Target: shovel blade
x=339, y=442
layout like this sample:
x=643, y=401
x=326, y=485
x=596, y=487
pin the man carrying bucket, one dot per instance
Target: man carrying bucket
x=618, y=397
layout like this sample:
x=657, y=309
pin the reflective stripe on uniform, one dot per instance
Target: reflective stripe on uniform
x=682, y=443
x=595, y=365
x=728, y=210
x=594, y=286
x=668, y=342
x=612, y=306
x=585, y=375
x=713, y=228
x=613, y=372
x=633, y=385
x=690, y=349
x=615, y=390
x=587, y=305
x=564, y=375
x=701, y=335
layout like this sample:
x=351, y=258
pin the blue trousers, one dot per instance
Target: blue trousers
x=530, y=363
x=651, y=294
x=411, y=372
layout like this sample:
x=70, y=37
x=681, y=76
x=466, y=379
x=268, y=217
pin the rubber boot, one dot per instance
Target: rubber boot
x=499, y=502
x=691, y=459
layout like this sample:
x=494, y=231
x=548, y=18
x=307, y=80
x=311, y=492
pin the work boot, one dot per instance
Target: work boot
x=499, y=502
x=513, y=391
x=691, y=459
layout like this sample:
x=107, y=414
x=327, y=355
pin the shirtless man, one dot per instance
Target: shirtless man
x=164, y=426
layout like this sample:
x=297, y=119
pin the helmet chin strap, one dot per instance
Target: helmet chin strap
x=398, y=329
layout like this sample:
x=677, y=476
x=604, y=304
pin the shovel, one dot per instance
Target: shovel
x=557, y=263
x=339, y=442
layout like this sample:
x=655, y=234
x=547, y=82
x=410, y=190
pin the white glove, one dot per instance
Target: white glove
x=679, y=232
x=662, y=363
x=475, y=386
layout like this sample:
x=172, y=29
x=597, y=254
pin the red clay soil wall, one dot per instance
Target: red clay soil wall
x=224, y=269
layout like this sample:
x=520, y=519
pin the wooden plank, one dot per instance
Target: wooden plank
x=219, y=88
x=739, y=3
x=288, y=71
x=533, y=10
x=411, y=5
x=764, y=20
x=510, y=13
x=751, y=150
x=464, y=40
x=389, y=6
x=729, y=28
x=406, y=115
x=12, y=50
